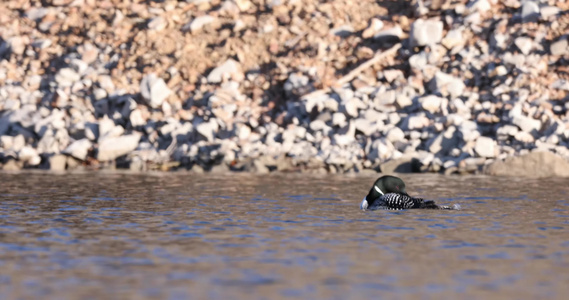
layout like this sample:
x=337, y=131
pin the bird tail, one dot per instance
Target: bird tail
x=430, y=204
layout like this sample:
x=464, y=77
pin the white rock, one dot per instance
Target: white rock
x=111, y=148
x=198, y=23
x=29, y=155
x=507, y=130
x=106, y=125
x=243, y=132
x=18, y=143
x=391, y=75
x=339, y=119
x=417, y=121
x=403, y=101
x=392, y=34
x=78, y=149
x=154, y=90
x=418, y=61
x=525, y=44
x=431, y=103
x=454, y=86
x=481, y=6
x=395, y=134
x=208, y=129
x=136, y=118
x=230, y=68
x=426, y=32
x=549, y=11
x=158, y=24
x=318, y=125
x=453, y=38
x=527, y=124
x=352, y=106
x=560, y=84
x=524, y=137
x=66, y=77
x=365, y=126
x=485, y=147
x=374, y=26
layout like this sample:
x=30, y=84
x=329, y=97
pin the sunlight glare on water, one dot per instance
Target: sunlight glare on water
x=241, y=236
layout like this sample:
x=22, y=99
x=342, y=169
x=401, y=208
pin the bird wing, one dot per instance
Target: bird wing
x=400, y=201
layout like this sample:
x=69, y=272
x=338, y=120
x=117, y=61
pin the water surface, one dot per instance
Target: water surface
x=241, y=236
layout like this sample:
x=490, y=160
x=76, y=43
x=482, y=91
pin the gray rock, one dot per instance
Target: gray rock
x=78, y=149
x=79, y=66
x=57, y=162
x=36, y=13
x=342, y=31
x=405, y=164
x=114, y=147
x=536, y=164
x=560, y=47
x=530, y=11
x=41, y=43
x=426, y=32
x=345, y=135
x=485, y=147
x=525, y=44
x=230, y=68
x=527, y=124
x=154, y=90
x=4, y=125
x=444, y=142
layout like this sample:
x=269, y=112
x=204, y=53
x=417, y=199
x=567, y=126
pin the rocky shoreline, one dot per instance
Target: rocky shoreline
x=455, y=87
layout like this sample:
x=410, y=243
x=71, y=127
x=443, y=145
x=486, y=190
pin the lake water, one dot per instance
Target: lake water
x=286, y=236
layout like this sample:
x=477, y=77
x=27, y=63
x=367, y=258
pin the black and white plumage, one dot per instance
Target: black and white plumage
x=388, y=192
x=396, y=201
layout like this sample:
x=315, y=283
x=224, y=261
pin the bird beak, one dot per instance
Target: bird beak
x=364, y=204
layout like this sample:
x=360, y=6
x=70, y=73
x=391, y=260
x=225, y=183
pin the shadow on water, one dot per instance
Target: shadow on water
x=241, y=236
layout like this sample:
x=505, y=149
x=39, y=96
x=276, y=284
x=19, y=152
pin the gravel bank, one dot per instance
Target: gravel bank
x=282, y=85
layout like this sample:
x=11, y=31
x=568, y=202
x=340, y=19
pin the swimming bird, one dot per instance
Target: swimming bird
x=388, y=192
